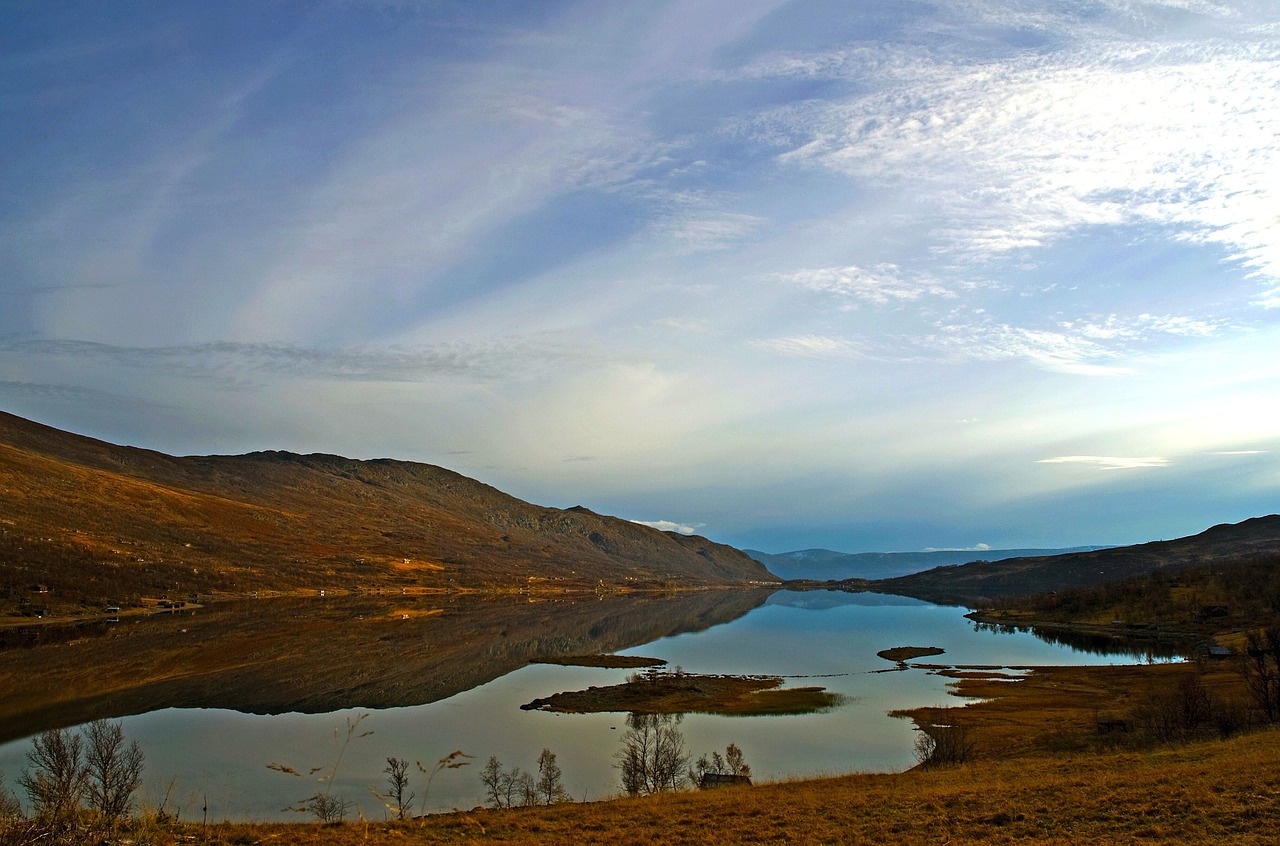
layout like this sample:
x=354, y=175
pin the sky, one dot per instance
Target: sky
x=876, y=275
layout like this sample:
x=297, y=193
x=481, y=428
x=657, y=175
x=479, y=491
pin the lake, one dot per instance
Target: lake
x=468, y=664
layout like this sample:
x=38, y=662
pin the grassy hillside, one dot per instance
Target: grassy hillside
x=102, y=524
x=983, y=582
x=828, y=565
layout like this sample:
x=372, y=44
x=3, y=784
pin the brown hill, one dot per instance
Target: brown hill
x=98, y=523
x=982, y=581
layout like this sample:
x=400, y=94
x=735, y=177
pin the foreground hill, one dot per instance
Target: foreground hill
x=103, y=523
x=981, y=582
x=828, y=565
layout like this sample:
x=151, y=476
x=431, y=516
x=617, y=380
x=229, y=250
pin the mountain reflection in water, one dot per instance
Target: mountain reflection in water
x=317, y=655
x=460, y=665
x=1145, y=649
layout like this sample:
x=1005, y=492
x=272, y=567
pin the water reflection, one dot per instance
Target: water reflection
x=320, y=655
x=451, y=674
x=1144, y=649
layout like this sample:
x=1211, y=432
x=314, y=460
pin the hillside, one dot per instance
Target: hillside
x=981, y=582
x=828, y=565
x=98, y=523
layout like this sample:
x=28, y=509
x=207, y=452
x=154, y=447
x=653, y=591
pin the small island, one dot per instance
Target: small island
x=681, y=693
x=902, y=654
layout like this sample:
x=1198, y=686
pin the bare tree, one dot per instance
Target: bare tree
x=652, y=758
x=398, y=780
x=56, y=782
x=1176, y=712
x=114, y=770
x=1261, y=669
x=550, y=790
x=492, y=779
x=523, y=790
x=731, y=763
x=734, y=760
x=326, y=807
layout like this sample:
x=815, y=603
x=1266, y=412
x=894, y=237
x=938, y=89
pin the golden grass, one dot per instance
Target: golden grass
x=1206, y=793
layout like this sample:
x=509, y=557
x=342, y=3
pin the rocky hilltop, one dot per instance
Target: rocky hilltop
x=91, y=522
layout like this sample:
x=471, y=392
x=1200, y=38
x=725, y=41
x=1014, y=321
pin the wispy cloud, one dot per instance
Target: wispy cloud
x=814, y=346
x=1063, y=352
x=1109, y=462
x=72, y=394
x=495, y=359
x=1142, y=327
x=704, y=231
x=1015, y=153
x=671, y=526
x=879, y=285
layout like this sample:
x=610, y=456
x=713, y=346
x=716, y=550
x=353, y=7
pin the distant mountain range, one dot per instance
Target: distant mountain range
x=826, y=565
x=86, y=521
x=980, y=582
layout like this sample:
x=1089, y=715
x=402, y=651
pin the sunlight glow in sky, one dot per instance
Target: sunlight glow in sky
x=866, y=276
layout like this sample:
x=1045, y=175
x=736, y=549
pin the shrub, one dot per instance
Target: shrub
x=113, y=770
x=943, y=746
x=56, y=782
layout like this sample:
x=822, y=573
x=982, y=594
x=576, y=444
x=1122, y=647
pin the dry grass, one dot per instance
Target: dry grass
x=1057, y=708
x=1209, y=793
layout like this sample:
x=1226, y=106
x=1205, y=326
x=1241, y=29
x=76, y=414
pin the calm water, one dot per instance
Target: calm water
x=219, y=758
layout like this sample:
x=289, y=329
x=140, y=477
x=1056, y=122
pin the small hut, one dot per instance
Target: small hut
x=710, y=781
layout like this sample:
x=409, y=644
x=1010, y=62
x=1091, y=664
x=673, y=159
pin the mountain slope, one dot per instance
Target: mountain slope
x=979, y=581
x=828, y=565
x=96, y=521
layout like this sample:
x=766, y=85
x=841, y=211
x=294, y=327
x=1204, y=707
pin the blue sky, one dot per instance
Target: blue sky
x=868, y=276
